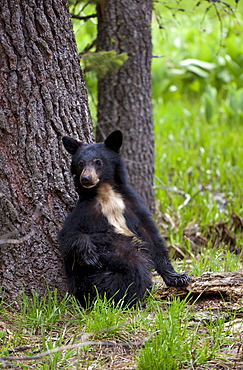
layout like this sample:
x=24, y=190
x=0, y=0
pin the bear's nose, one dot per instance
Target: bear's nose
x=86, y=180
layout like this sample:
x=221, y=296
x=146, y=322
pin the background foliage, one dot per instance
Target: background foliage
x=197, y=82
x=198, y=112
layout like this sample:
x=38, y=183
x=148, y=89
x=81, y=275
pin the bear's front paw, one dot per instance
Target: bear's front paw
x=175, y=279
x=88, y=256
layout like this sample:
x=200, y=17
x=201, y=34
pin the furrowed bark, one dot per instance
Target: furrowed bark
x=42, y=97
x=124, y=97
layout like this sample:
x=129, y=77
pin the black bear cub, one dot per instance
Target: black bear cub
x=110, y=243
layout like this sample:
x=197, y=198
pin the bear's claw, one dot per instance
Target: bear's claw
x=175, y=279
x=87, y=255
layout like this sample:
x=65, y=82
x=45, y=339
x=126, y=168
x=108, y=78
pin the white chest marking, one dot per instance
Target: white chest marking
x=113, y=207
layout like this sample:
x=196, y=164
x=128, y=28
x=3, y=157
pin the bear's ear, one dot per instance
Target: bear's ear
x=71, y=145
x=114, y=141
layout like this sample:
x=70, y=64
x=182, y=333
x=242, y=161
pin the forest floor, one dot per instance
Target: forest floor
x=197, y=327
x=119, y=346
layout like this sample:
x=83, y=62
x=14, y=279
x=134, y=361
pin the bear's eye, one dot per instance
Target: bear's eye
x=81, y=164
x=98, y=162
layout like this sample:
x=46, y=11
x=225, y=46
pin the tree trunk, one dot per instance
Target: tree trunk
x=124, y=97
x=42, y=97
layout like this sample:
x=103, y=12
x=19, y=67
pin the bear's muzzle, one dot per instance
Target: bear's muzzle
x=89, y=178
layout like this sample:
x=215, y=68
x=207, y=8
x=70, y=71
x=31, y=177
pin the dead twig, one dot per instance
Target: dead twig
x=85, y=17
x=21, y=348
x=87, y=48
x=3, y=359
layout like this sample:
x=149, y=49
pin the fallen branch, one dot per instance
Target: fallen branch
x=227, y=285
x=72, y=346
x=21, y=348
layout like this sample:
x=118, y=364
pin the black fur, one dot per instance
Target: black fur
x=96, y=257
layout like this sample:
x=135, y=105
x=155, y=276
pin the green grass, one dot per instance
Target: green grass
x=178, y=341
x=200, y=159
x=172, y=337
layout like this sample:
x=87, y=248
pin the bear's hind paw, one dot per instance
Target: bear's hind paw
x=175, y=279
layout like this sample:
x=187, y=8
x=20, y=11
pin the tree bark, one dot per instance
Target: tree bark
x=42, y=97
x=124, y=97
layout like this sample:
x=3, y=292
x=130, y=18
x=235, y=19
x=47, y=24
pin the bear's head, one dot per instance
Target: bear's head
x=94, y=164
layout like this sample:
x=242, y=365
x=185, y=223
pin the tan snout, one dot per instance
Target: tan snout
x=89, y=178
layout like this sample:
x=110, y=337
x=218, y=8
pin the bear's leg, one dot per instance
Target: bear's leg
x=163, y=265
x=171, y=277
x=159, y=254
x=124, y=282
x=154, y=244
x=125, y=287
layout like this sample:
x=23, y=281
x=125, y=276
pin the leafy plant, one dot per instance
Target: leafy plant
x=103, y=62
